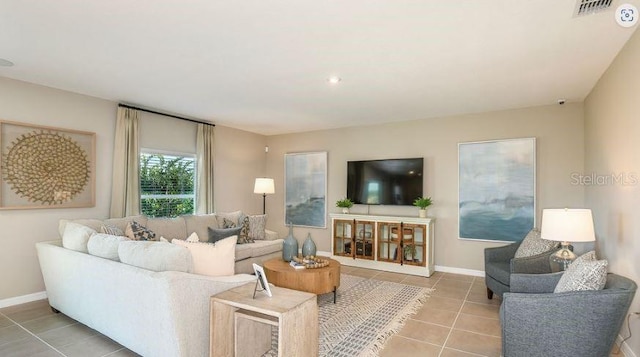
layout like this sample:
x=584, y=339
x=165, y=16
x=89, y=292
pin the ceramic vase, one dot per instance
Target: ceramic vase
x=422, y=213
x=345, y=210
x=289, y=246
x=308, y=247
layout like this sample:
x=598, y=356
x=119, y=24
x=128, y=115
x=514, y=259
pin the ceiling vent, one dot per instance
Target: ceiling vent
x=585, y=7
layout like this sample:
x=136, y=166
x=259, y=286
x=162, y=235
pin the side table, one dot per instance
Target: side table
x=241, y=326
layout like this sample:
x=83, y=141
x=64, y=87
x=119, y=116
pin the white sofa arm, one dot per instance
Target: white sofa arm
x=270, y=235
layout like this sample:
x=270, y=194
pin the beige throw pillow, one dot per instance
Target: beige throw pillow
x=212, y=259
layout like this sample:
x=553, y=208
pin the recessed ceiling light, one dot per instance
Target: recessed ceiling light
x=5, y=63
x=334, y=79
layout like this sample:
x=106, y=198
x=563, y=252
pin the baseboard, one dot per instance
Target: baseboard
x=462, y=271
x=625, y=349
x=23, y=299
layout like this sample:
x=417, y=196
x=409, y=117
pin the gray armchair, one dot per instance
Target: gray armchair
x=537, y=322
x=499, y=264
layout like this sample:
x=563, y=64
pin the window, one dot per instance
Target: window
x=167, y=184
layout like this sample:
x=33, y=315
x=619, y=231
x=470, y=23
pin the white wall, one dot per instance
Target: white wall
x=612, y=133
x=560, y=152
x=21, y=229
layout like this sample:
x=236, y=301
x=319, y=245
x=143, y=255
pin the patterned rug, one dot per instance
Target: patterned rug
x=367, y=313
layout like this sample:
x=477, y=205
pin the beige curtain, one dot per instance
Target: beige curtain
x=204, y=152
x=125, y=191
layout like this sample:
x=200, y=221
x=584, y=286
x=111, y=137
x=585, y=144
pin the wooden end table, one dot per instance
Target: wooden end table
x=317, y=281
x=241, y=325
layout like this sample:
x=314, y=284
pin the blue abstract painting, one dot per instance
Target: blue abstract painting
x=306, y=189
x=496, y=189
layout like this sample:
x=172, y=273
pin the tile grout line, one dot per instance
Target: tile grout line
x=444, y=344
x=34, y=335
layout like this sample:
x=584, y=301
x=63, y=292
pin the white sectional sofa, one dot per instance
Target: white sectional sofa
x=153, y=313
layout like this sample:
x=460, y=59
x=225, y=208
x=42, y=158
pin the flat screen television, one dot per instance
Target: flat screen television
x=385, y=182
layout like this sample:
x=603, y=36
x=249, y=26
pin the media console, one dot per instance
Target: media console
x=391, y=243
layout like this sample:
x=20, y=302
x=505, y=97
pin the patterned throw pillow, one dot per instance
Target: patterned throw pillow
x=244, y=236
x=219, y=234
x=227, y=223
x=112, y=230
x=585, y=273
x=257, y=226
x=136, y=231
x=231, y=217
x=533, y=244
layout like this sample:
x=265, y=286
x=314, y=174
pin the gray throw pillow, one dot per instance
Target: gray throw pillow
x=585, y=273
x=533, y=244
x=219, y=234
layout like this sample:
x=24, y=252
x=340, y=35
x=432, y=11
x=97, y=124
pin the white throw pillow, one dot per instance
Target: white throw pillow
x=212, y=259
x=156, y=256
x=105, y=245
x=76, y=236
x=193, y=238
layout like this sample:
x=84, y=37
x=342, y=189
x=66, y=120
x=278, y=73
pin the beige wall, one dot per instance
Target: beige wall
x=21, y=229
x=560, y=148
x=239, y=158
x=612, y=133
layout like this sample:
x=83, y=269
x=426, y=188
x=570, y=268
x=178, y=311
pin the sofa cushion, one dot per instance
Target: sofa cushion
x=500, y=271
x=168, y=227
x=200, y=224
x=258, y=248
x=156, y=256
x=76, y=236
x=94, y=224
x=212, y=259
x=585, y=273
x=105, y=245
x=136, y=231
x=122, y=222
x=533, y=244
x=219, y=234
x=257, y=226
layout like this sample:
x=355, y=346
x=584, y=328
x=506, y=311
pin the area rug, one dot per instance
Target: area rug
x=367, y=313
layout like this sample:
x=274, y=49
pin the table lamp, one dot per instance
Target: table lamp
x=264, y=186
x=566, y=225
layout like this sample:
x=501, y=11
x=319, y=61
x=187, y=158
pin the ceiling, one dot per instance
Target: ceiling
x=262, y=66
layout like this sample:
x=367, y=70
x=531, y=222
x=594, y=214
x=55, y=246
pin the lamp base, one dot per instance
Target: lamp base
x=561, y=259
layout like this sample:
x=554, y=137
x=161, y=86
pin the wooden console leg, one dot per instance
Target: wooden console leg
x=489, y=294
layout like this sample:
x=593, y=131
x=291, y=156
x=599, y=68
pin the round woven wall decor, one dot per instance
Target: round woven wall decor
x=46, y=167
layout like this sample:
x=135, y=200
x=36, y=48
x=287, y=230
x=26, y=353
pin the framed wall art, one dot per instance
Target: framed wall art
x=46, y=167
x=496, y=189
x=305, y=181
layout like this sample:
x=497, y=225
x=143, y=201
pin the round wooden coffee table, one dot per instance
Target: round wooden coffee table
x=317, y=281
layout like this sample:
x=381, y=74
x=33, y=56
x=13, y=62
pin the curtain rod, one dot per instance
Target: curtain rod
x=165, y=114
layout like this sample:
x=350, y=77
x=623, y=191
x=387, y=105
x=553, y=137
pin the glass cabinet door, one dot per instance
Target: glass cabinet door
x=343, y=237
x=413, y=244
x=364, y=239
x=388, y=241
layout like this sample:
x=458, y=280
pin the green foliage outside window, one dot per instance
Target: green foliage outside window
x=167, y=185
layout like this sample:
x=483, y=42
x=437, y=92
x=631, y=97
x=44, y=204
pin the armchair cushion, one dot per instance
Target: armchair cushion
x=585, y=273
x=533, y=244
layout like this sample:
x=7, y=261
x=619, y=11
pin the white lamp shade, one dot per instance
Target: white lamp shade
x=264, y=186
x=567, y=225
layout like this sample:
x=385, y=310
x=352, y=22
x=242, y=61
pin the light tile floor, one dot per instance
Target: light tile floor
x=457, y=320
